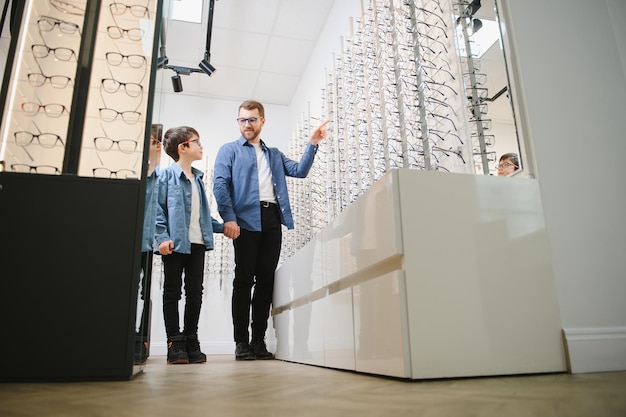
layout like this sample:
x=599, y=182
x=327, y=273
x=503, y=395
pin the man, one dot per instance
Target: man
x=250, y=188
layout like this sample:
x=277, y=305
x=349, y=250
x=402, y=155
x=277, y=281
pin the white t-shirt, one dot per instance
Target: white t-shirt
x=266, y=188
x=195, y=233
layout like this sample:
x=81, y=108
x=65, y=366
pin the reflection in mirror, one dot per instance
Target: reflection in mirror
x=142, y=336
x=488, y=89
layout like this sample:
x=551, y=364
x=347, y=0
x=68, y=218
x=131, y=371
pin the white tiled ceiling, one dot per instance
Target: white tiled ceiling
x=260, y=48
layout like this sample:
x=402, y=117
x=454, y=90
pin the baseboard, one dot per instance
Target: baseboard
x=209, y=348
x=597, y=349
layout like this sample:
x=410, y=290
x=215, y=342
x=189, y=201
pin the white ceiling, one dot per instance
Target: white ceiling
x=260, y=48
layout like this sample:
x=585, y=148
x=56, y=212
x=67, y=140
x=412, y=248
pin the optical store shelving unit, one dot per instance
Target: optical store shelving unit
x=76, y=113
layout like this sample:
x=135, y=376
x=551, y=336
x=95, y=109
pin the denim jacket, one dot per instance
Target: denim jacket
x=174, y=210
x=149, y=218
x=236, y=181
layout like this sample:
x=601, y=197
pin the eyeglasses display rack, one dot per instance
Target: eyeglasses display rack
x=76, y=109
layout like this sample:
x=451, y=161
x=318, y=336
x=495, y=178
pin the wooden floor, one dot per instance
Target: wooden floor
x=224, y=387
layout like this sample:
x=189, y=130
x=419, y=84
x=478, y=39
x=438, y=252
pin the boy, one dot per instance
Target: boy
x=184, y=231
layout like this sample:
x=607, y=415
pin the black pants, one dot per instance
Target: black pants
x=144, y=290
x=256, y=258
x=193, y=267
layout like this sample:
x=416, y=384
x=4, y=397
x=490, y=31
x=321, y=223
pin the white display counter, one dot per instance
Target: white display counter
x=427, y=275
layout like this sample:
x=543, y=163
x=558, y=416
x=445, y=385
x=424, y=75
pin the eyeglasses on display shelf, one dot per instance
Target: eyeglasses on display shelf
x=60, y=53
x=120, y=173
x=136, y=10
x=45, y=140
x=116, y=32
x=104, y=144
x=37, y=169
x=55, y=110
x=48, y=24
x=37, y=79
x=110, y=115
x=133, y=60
x=113, y=86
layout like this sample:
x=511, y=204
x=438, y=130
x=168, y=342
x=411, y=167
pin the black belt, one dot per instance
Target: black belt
x=267, y=204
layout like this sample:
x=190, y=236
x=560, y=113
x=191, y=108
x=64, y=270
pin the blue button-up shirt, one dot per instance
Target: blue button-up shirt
x=174, y=210
x=149, y=218
x=236, y=181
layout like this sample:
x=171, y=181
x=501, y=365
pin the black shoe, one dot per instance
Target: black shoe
x=243, y=352
x=193, y=349
x=177, y=350
x=260, y=351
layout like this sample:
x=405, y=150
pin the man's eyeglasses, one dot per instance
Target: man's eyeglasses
x=187, y=142
x=505, y=165
x=252, y=120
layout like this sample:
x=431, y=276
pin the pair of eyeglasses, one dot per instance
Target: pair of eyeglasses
x=505, y=165
x=68, y=8
x=121, y=8
x=51, y=110
x=37, y=79
x=116, y=32
x=252, y=120
x=38, y=169
x=109, y=115
x=46, y=140
x=120, y=173
x=133, y=60
x=47, y=23
x=104, y=144
x=187, y=142
x=112, y=86
x=60, y=53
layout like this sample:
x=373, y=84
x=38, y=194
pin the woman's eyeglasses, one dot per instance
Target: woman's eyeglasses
x=505, y=165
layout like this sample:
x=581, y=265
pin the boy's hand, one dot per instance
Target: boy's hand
x=166, y=247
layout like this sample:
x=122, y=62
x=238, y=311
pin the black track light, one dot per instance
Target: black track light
x=177, y=83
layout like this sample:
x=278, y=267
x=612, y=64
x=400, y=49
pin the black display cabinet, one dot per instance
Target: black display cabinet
x=76, y=116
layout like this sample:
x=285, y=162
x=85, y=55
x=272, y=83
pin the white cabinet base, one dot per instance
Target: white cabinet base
x=427, y=275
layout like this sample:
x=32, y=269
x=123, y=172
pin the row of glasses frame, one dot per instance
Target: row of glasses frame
x=396, y=95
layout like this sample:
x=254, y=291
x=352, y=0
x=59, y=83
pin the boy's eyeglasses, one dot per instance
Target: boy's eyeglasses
x=187, y=142
x=252, y=120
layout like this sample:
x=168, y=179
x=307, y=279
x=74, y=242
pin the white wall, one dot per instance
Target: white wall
x=570, y=63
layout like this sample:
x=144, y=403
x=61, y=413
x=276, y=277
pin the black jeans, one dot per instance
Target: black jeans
x=193, y=266
x=256, y=258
